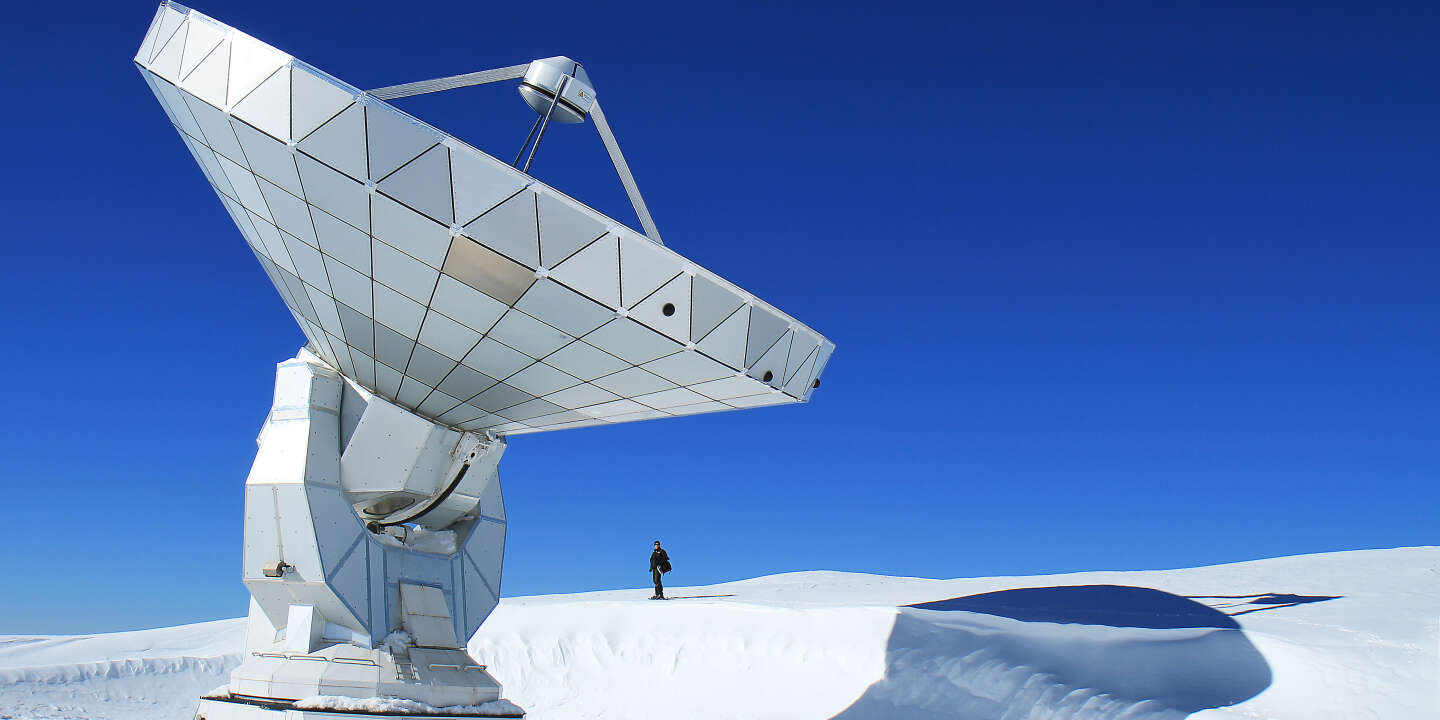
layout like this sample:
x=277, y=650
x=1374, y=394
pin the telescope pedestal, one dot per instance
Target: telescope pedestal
x=373, y=547
x=234, y=709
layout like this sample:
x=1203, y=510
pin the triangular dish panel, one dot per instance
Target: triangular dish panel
x=254, y=61
x=594, y=271
x=726, y=342
x=711, y=303
x=211, y=78
x=511, y=229
x=423, y=183
x=166, y=62
x=644, y=267
x=203, y=38
x=267, y=107
x=314, y=100
x=564, y=229
x=480, y=181
x=394, y=140
x=446, y=281
x=340, y=142
x=166, y=22
x=770, y=367
x=667, y=309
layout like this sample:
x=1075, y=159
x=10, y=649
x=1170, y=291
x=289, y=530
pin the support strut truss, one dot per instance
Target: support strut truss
x=513, y=72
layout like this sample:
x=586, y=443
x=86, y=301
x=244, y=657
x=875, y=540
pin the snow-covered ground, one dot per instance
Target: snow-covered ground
x=1343, y=635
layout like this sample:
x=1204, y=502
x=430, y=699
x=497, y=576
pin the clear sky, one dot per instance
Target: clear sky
x=1115, y=286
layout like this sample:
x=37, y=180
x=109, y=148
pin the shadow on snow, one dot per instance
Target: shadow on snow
x=1092, y=651
x=1266, y=601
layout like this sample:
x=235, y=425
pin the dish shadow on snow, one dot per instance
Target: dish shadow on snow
x=1266, y=601
x=1092, y=650
x=1112, y=605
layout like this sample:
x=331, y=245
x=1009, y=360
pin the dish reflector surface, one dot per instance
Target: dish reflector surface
x=443, y=279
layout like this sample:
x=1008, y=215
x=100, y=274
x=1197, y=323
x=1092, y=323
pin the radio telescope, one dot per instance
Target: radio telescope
x=449, y=300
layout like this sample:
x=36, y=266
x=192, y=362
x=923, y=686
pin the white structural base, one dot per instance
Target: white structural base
x=211, y=709
x=374, y=541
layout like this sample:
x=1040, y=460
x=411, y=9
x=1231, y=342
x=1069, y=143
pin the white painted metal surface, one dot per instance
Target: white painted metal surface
x=324, y=625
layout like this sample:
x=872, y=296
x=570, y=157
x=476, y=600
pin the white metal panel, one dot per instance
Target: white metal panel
x=644, y=267
x=303, y=628
x=414, y=234
x=633, y=382
x=289, y=211
x=412, y=278
x=564, y=228
x=424, y=184
x=511, y=229
x=166, y=62
x=480, y=181
x=585, y=361
x=267, y=107
x=466, y=305
x=688, y=368
x=667, y=309
x=209, y=80
x=394, y=139
x=315, y=98
x=726, y=342
x=496, y=359
x=338, y=195
x=594, y=271
x=203, y=38
x=341, y=240
x=528, y=335
x=268, y=157
x=563, y=308
x=541, y=379
x=251, y=63
x=770, y=367
x=340, y=142
x=451, y=338
x=216, y=127
x=397, y=311
x=157, y=34
x=628, y=340
x=582, y=395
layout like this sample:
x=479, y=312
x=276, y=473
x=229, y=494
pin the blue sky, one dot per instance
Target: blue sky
x=1114, y=287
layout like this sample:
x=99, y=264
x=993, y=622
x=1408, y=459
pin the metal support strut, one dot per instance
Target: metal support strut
x=391, y=92
x=537, y=131
x=623, y=170
x=545, y=123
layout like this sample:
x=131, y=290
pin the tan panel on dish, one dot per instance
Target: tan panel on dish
x=487, y=271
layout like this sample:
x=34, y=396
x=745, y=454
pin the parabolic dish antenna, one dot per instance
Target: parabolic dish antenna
x=449, y=300
x=445, y=280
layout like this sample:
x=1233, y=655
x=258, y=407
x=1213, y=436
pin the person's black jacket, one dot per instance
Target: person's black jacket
x=660, y=560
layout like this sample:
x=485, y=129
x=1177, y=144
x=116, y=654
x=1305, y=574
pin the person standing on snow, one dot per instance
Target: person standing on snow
x=659, y=563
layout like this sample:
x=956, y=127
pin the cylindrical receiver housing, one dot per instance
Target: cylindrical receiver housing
x=544, y=79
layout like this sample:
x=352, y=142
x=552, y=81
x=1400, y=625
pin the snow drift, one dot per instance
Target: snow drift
x=1342, y=635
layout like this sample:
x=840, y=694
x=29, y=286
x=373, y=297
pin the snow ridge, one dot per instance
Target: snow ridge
x=123, y=668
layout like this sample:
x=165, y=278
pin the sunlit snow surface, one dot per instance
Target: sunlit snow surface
x=1342, y=635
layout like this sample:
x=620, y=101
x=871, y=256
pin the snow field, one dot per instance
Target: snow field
x=1341, y=636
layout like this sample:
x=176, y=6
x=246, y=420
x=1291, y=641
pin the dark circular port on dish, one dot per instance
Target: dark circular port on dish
x=815, y=384
x=668, y=309
x=768, y=376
